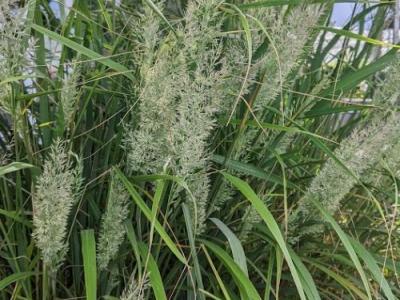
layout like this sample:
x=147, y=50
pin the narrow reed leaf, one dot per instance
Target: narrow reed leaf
x=240, y=278
x=235, y=245
x=14, y=278
x=147, y=212
x=85, y=51
x=14, y=167
x=269, y=220
x=193, y=251
x=347, y=244
x=89, y=263
x=154, y=273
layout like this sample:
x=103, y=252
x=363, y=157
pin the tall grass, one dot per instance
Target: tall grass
x=198, y=149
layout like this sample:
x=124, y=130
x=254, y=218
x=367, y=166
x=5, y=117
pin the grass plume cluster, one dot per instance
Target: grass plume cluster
x=198, y=149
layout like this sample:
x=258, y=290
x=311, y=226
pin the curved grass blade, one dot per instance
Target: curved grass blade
x=359, y=37
x=344, y=282
x=347, y=244
x=15, y=215
x=193, y=251
x=13, y=167
x=240, y=278
x=85, y=51
x=269, y=220
x=147, y=212
x=249, y=169
x=216, y=274
x=154, y=273
x=236, y=246
x=372, y=265
x=309, y=284
x=14, y=278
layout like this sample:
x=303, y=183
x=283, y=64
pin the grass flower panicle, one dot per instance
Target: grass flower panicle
x=112, y=226
x=358, y=155
x=14, y=42
x=57, y=190
x=288, y=36
x=181, y=93
x=69, y=96
x=135, y=289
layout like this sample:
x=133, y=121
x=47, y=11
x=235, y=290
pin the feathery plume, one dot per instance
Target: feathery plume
x=57, y=189
x=13, y=46
x=135, y=290
x=69, y=96
x=359, y=153
x=289, y=35
x=180, y=94
x=112, y=227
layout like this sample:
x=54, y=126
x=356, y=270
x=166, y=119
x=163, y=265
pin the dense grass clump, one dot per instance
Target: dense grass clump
x=198, y=149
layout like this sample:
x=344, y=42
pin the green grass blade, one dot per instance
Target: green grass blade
x=269, y=220
x=154, y=273
x=309, y=285
x=14, y=167
x=193, y=251
x=16, y=216
x=372, y=265
x=249, y=169
x=159, y=13
x=240, y=278
x=344, y=282
x=236, y=246
x=359, y=37
x=14, y=278
x=135, y=245
x=89, y=263
x=147, y=212
x=347, y=244
x=85, y=51
x=216, y=274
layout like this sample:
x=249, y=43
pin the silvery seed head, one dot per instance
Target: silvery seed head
x=57, y=190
